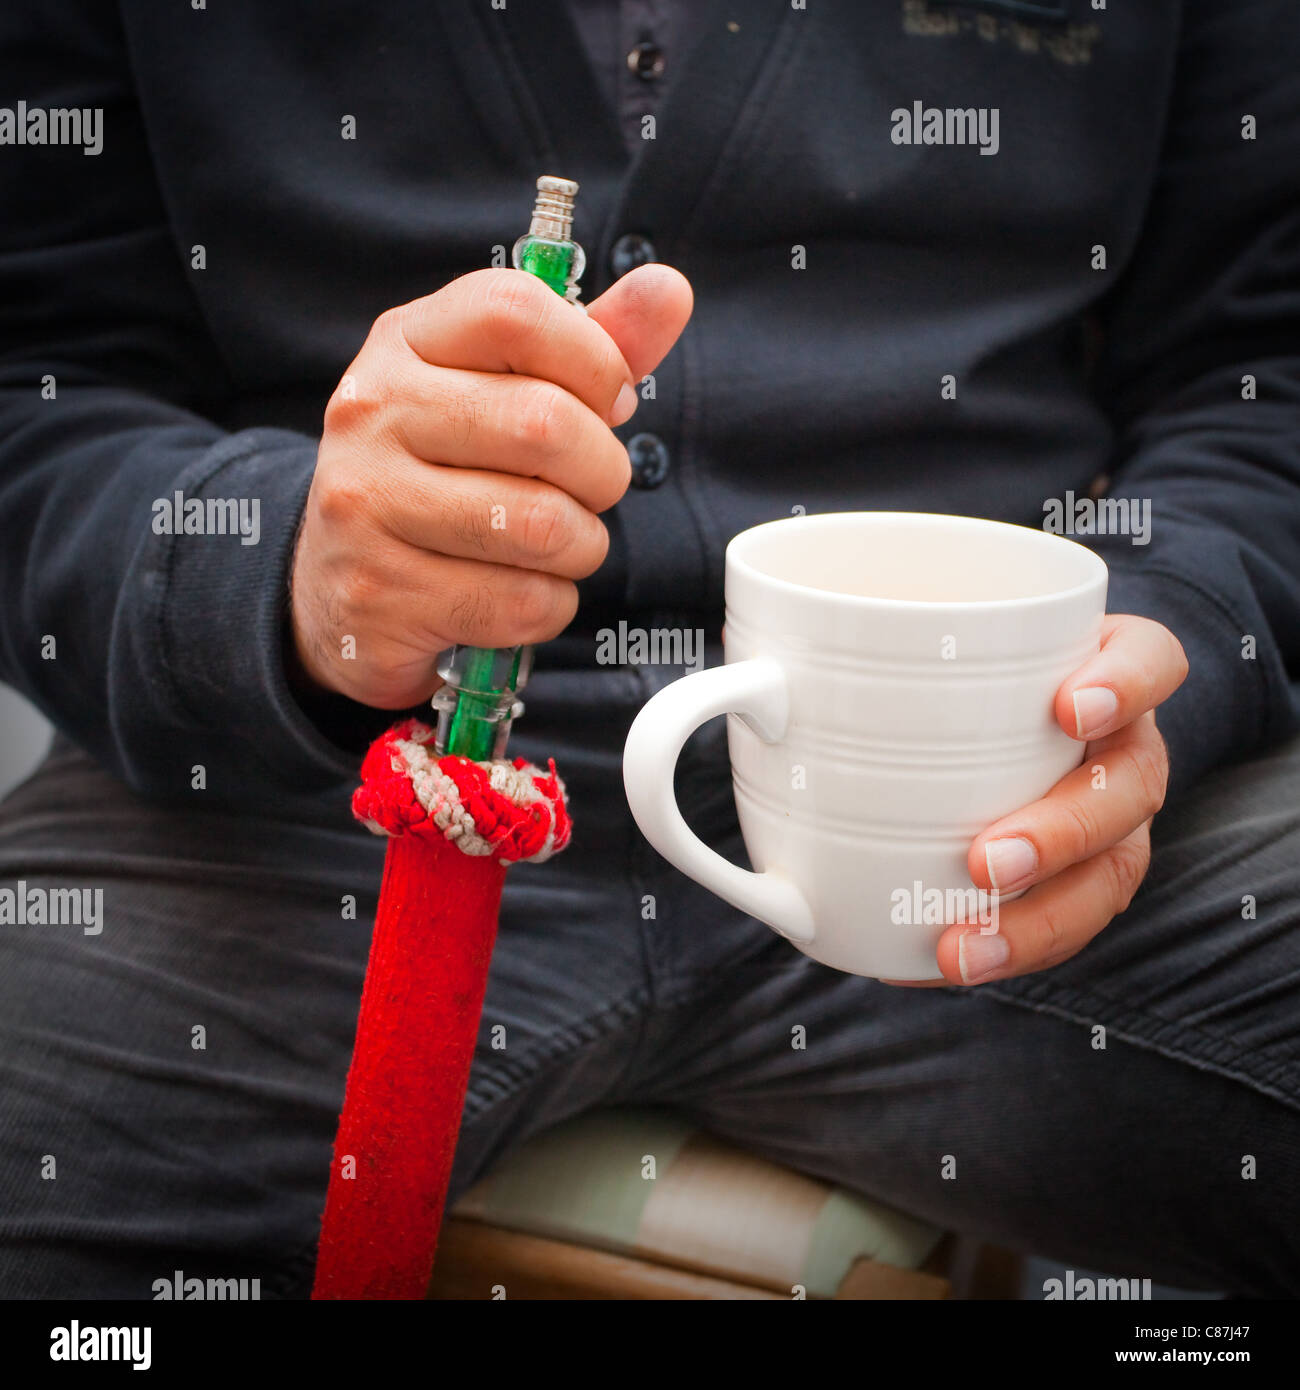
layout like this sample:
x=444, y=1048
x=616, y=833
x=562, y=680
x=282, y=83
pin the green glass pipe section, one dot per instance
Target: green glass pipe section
x=473, y=729
x=550, y=261
x=472, y=732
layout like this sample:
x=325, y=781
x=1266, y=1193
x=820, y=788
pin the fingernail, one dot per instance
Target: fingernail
x=979, y=956
x=1094, y=708
x=1009, y=862
x=624, y=405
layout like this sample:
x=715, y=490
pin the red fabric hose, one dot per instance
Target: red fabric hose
x=455, y=825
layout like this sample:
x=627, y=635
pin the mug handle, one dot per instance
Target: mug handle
x=756, y=690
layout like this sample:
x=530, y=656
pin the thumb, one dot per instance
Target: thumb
x=644, y=313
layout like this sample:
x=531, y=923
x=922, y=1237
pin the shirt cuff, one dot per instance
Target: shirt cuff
x=1221, y=708
x=225, y=619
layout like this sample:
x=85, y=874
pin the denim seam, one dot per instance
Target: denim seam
x=507, y=1079
x=1171, y=1040
x=1275, y=1058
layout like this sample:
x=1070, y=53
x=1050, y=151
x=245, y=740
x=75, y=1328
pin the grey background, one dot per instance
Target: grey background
x=24, y=738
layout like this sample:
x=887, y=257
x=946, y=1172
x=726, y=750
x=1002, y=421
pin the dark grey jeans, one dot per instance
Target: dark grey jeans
x=1173, y=1153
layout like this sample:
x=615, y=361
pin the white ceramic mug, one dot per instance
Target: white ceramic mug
x=889, y=686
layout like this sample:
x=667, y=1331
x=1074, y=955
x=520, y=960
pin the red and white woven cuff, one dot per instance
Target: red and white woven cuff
x=511, y=810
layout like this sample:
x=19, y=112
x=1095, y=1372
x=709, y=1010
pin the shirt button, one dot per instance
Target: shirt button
x=646, y=60
x=630, y=251
x=649, y=457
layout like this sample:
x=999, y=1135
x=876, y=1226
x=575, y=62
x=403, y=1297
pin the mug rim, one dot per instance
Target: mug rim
x=735, y=558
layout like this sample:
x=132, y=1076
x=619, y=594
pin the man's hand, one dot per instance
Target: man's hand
x=1084, y=848
x=465, y=456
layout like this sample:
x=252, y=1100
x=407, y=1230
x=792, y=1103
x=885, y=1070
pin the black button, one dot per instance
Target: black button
x=646, y=60
x=630, y=251
x=649, y=456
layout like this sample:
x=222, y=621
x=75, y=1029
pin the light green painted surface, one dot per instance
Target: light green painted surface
x=582, y=1180
x=850, y=1228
